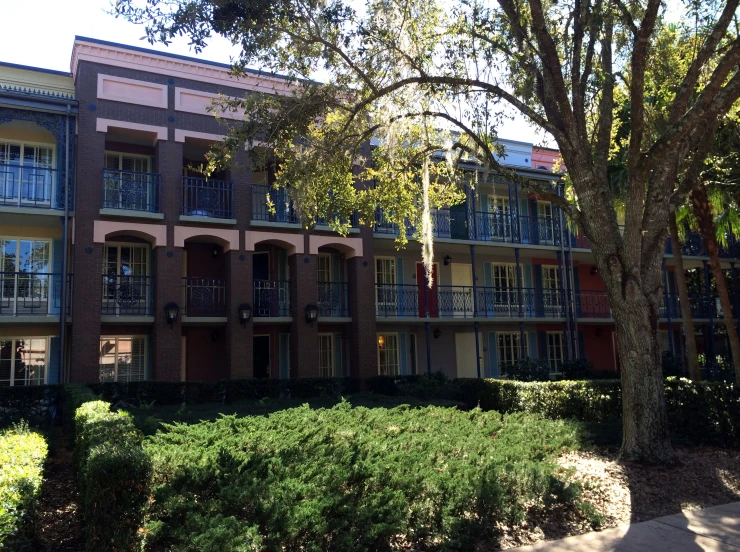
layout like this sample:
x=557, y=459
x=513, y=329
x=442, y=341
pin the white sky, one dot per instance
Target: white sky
x=40, y=33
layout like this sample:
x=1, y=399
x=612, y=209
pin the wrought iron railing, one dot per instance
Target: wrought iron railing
x=332, y=299
x=207, y=198
x=272, y=205
x=28, y=186
x=131, y=190
x=127, y=295
x=204, y=296
x=31, y=293
x=271, y=298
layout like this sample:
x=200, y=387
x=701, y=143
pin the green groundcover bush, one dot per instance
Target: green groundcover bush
x=113, y=474
x=354, y=479
x=22, y=456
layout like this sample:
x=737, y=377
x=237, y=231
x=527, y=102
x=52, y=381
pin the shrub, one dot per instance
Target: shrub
x=353, y=479
x=577, y=369
x=113, y=474
x=22, y=456
x=38, y=405
x=526, y=369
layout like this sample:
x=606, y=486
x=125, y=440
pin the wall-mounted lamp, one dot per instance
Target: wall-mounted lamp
x=594, y=271
x=447, y=260
x=312, y=313
x=171, y=311
x=216, y=251
x=437, y=333
x=245, y=312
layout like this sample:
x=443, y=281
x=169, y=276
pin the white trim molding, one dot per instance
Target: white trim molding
x=181, y=135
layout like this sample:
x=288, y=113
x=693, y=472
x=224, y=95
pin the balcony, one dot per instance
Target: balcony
x=332, y=300
x=204, y=297
x=265, y=198
x=207, y=198
x=271, y=299
x=126, y=295
x=131, y=191
x=31, y=293
x=35, y=187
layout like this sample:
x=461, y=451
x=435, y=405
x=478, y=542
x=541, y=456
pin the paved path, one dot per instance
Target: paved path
x=714, y=529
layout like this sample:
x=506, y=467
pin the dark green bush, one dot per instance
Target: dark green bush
x=577, y=369
x=672, y=365
x=526, y=369
x=22, y=456
x=39, y=405
x=113, y=473
x=354, y=479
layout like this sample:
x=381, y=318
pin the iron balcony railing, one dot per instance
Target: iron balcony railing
x=207, y=198
x=32, y=293
x=125, y=295
x=131, y=190
x=204, y=296
x=332, y=299
x=266, y=199
x=29, y=187
x=271, y=298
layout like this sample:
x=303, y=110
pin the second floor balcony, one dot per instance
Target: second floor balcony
x=333, y=300
x=202, y=197
x=204, y=297
x=29, y=186
x=131, y=190
x=32, y=293
x=271, y=299
x=127, y=295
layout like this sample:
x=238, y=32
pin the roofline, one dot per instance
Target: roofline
x=37, y=69
x=181, y=57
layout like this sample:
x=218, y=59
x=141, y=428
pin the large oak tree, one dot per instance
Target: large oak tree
x=429, y=80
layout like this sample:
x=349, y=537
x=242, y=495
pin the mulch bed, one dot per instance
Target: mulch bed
x=58, y=526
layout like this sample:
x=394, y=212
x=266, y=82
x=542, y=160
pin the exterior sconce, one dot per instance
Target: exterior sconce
x=312, y=313
x=171, y=311
x=215, y=251
x=245, y=312
x=594, y=271
x=437, y=333
x=447, y=260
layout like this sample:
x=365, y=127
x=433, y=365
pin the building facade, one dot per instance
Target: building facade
x=171, y=276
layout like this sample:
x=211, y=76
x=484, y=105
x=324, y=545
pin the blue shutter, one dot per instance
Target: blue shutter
x=576, y=290
x=56, y=283
x=492, y=356
x=529, y=291
x=337, y=354
x=54, y=364
x=399, y=271
x=538, y=291
x=400, y=296
x=483, y=206
x=581, y=346
x=487, y=293
x=534, y=228
x=532, y=344
x=283, y=272
x=542, y=345
x=284, y=352
x=336, y=272
x=402, y=356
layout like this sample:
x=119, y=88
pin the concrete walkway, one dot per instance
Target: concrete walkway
x=714, y=529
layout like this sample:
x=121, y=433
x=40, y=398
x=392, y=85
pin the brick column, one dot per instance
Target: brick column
x=167, y=268
x=363, y=340
x=304, y=337
x=87, y=256
x=238, y=336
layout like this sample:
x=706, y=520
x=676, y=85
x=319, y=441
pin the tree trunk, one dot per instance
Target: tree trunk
x=692, y=357
x=703, y=214
x=645, y=436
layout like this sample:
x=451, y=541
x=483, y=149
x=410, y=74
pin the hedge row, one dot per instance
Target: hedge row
x=39, y=405
x=22, y=456
x=113, y=473
x=703, y=412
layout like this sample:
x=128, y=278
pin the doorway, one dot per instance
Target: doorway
x=261, y=356
x=261, y=266
x=467, y=365
x=425, y=293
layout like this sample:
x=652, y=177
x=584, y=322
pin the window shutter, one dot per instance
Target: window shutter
x=532, y=344
x=402, y=356
x=284, y=352
x=581, y=346
x=492, y=356
x=57, y=281
x=483, y=203
x=542, y=345
x=336, y=268
x=538, y=292
x=53, y=362
x=576, y=290
x=283, y=272
x=337, y=355
x=533, y=227
x=488, y=293
x=399, y=271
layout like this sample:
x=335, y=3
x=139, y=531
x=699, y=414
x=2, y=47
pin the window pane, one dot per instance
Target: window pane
x=6, y=356
x=30, y=361
x=107, y=359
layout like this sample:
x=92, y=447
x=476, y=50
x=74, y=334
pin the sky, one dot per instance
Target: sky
x=40, y=33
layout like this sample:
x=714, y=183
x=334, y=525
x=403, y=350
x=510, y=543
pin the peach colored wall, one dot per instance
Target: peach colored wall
x=229, y=239
x=198, y=102
x=351, y=247
x=181, y=135
x=292, y=242
x=545, y=157
x=102, y=125
x=156, y=234
x=119, y=89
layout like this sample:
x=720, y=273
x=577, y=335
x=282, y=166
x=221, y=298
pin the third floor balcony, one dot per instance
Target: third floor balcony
x=131, y=190
x=207, y=198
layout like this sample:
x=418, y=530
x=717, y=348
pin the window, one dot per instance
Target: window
x=23, y=361
x=388, y=354
x=555, y=351
x=323, y=271
x=127, y=183
x=499, y=206
x=326, y=356
x=24, y=275
x=509, y=348
x=505, y=287
x=125, y=283
x=545, y=223
x=25, y=172
x=385, y=277
x=551, y=288
x=126, y=162
x=123, y=358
